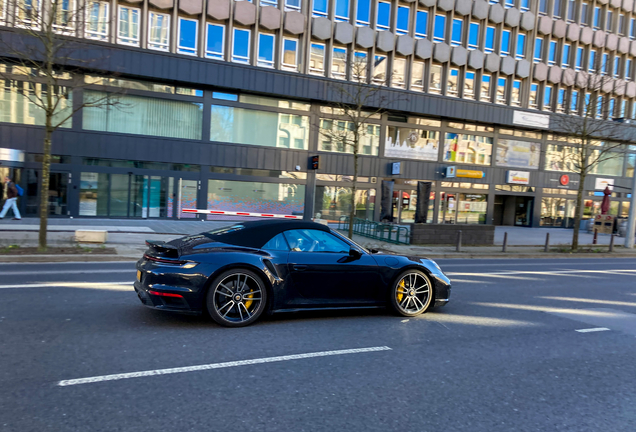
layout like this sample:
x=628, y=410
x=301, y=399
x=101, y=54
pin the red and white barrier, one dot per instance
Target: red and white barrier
x=231, y=213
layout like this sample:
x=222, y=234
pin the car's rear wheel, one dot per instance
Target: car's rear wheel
x=412, y=293
x=236, y=298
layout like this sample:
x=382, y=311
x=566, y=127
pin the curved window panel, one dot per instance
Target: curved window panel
x=152, y=116
x=262, y=128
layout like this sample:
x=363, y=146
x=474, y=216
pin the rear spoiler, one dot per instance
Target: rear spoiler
x=163, y=249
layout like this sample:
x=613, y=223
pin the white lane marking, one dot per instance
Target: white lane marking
x=559, y=262
x=69, y=284
x=58, y=264
x=51, y=272
x=546, y=273
x=590, y=330
x=217, y=366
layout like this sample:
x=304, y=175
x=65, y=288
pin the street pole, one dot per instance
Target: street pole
x=631, y=222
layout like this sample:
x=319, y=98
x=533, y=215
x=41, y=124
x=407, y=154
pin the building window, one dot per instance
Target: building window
x=621, y=24
x=379, y=70
x=521, y=46
x=292, y=5
x=524, y=5
x=628, y=70
x=128, y=26
x=632, y=28
x=421, y=24
x=489, y=45
x=187, y=36
x=605, y=64
x=215, y=41
x=97, y=20
x=609, y=23
x=515, y=97
x=579, y=58
x=359, y=67
x=543, y=7
x=317, y=59
x=501, y=90
x=451, y=83
x=558, y=9
x=623, y=109
x=560, y=108
x=320, y=7
x=596, y=21
x=435, y=85
x=584, y=13
x=338, y=63
x=485, y=88
x=259, y=128
x=633, y=110
x=565, y=57
x=342, y=10
x=473, y=35
x=509, y=3
x=533, y=102
x=363, y=14
x=611, y=112
x=617, y=66
x=538, y=50
x=27, y=13
x=403, y=15
x=472, y=149
x=158, y=31
x=265, y=50
x=268, y=2
x=571, y=10
x=64, y=19
x=399, y=72
x=458, y=30
x=469, y=85
x=417, y=76
x=547, y=98
x=574, y=101
x=552, y=52
x=241, y=46
x=591, y=67
x=505, y=42
x=439, y=34
x=384, y=16
x=290, y=54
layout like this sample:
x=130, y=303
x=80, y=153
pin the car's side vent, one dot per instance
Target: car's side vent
x=271, y=268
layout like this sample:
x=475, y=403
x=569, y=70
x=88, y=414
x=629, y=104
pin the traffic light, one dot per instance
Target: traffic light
x=314, y=162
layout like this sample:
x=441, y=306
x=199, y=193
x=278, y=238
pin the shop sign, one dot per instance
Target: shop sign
x=411, y=144
x=518, y=154
x=470, y=174
x=395, y=168
x=564, y=179
x=518, y=177
x=531, y=119
x=450, y=172
x=601, y=184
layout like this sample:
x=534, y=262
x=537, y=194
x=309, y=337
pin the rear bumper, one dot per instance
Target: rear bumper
x=172, y=304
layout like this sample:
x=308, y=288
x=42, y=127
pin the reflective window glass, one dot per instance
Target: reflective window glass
x=187, y=36
x=241, y=48
x=215, y=41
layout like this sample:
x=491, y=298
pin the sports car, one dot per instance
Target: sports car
x=236, y=273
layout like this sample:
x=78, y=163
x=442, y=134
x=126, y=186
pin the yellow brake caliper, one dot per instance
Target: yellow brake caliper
x=249, y=302
x=400, y=291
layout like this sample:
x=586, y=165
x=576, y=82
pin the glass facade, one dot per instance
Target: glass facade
x=22, y=102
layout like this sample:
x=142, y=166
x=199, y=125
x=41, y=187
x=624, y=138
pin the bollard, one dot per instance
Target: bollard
x=505, y=244
x=611, y=247
x=594, y=239
x=547, y=242
x=459, y=241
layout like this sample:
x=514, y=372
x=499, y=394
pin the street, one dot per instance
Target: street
x=506, y=354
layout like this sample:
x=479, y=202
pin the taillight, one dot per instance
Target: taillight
x=164, y=260
x=162, y=294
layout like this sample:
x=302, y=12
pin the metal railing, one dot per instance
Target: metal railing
x=379, y=231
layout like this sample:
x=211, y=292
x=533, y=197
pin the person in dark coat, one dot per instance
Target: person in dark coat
x=11, y=202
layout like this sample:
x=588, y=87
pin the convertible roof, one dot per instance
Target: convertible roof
x=255, y=234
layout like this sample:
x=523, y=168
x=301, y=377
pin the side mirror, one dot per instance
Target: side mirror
x=354, y=253
x=374, y=251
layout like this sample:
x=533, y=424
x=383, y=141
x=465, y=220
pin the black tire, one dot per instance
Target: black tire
x=236, y=298
x=412, y=293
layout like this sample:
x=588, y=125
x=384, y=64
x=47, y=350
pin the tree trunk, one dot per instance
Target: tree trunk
x=44, y=189
x=578, y=213
x=352, y=214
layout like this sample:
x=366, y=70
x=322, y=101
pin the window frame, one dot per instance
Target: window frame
x=286, y=66
x=188, y=50
x=158, y=46
x=312, y=70
x=241, y=59
x=211, y=54
x=133, y=41
x=403, y=31
x=90, y=34
x=442, y=18
x=387, y=26
x=266, y=63
x=420, y=35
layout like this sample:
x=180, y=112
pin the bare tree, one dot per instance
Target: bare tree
x=356, y=102
x=593, y=136
x=45, y=59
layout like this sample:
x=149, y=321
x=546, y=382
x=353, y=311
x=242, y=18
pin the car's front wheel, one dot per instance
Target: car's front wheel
x=411, y=293
x=236, y=298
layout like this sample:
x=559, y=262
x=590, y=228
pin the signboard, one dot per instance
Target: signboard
x=564, y=179
x=450, y=172
x=518, y=154
x=395, y=168
x=601, y=184
x=470, y=174
x=411, y=144
x=531, y=119
x=518, y=177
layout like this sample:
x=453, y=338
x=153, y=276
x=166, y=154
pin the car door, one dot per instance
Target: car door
x=324, y=274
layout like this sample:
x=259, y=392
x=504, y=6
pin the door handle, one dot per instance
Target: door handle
x=298, y=267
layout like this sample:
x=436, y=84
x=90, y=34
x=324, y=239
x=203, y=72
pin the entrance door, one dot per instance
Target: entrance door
x=187, y=198
x=448, y=208
x=57, y=193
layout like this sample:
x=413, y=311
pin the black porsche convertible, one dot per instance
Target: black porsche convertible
x=236, y=273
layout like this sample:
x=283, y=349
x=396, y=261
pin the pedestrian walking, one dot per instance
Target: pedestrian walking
x=12, y=198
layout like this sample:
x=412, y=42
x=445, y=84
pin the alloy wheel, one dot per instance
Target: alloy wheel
x=237, y=298
x=413, y=294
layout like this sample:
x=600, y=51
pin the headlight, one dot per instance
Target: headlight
x=433, y=262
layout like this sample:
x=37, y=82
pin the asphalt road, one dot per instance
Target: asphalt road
x=504, y=355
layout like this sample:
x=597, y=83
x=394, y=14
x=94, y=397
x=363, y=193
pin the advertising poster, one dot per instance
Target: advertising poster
x=463, y=149
x=518, y=154
x=411, y=144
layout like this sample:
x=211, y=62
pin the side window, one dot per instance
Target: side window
x=277, y=243
x=308, y=240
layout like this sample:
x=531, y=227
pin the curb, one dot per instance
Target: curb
x=63, y=258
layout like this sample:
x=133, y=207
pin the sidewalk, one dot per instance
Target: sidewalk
x=128, y=238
